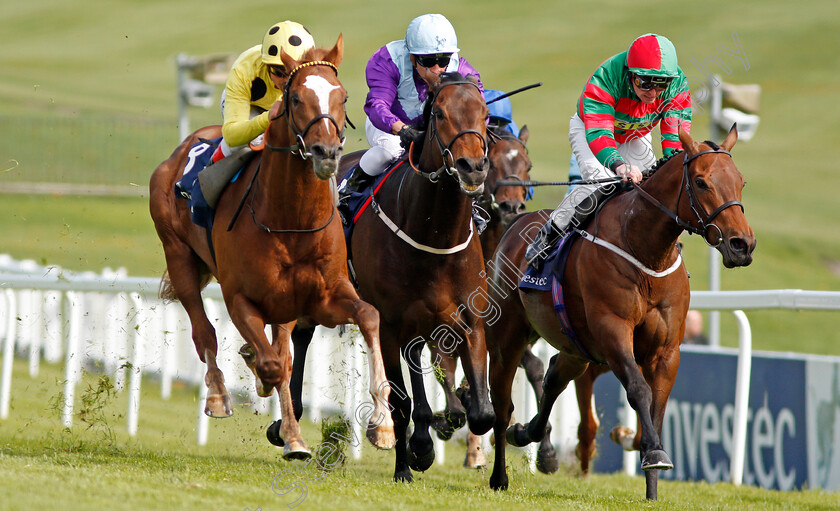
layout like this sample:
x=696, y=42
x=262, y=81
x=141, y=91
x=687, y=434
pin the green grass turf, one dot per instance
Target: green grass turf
x=96, y=465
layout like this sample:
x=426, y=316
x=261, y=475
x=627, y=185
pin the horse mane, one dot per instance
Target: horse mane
x=664, y=160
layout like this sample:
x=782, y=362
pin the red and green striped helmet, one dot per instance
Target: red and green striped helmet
x=652, y=55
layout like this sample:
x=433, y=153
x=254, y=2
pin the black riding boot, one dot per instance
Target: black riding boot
x=542, y=245
x=355, y=183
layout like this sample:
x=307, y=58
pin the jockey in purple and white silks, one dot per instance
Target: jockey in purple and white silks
x=397, y=93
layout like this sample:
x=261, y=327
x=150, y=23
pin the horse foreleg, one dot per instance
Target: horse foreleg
x=588, y=428
x=640, y=397
x=660, y=377
x=301, y=338
x=546, y=454
x=400, y=409
x=473, y=353
x=454, y=416
x=421, y=450
x=343, y=307
x=502, y=370
x=185, y=278
x=561, y=370
x=475, y=453
x=273, y=367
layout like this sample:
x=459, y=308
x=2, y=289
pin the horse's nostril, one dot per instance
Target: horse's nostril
x=738, y=245
x=520, y=208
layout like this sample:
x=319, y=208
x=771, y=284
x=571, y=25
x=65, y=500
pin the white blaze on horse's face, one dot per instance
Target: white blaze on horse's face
x=512, y=154
x=322, y=89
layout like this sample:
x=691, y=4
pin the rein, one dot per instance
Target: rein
x=694, y=203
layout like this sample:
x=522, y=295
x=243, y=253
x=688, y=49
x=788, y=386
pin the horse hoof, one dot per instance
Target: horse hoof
x=656, y=459
x=296, y=451
x=499, y=483
x=475, y=460
x=218, y=406
x=421, y=462
x=273, y=434
x=547, y=461
x=403, y=476
x=623, y=436
x=381, y=437
x=517, y=435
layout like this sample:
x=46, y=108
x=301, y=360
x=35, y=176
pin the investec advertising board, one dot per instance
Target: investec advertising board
x=793, y=429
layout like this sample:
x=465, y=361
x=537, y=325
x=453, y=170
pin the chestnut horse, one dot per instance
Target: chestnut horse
x=285, y=257
x=418, y=260
x=626, y=311
x=509, y=162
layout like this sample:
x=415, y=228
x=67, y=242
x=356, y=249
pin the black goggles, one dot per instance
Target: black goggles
x=427, y=61
x=278, y=71
x=651, y=82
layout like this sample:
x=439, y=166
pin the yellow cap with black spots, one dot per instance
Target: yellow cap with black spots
x=292, y=37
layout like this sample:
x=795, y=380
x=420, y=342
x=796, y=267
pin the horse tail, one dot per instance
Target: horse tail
x=165, y=291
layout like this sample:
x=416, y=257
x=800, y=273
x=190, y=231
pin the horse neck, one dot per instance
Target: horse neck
x=664, y=186
x=288, y=195
x=436, y=213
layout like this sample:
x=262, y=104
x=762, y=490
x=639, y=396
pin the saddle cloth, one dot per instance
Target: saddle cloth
x=189, y=188
x=550, y=278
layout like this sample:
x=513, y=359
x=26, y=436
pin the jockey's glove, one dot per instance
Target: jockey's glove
x=408, y=135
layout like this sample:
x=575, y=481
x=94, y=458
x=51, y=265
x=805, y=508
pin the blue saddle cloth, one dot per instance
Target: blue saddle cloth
x=550, y=278
x=188, y=186
x=555, y=265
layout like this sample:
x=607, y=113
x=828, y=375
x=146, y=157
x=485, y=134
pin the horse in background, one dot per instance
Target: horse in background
x=284, y=259
x=509, y=161
x=625, y=311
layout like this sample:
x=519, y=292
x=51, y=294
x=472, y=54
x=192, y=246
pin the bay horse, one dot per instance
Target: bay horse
x=509, y=161
x=285, y=257
x=625, y=290
x=417, y=260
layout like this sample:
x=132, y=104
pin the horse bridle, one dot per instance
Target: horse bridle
x=300, y=146
x=445, y=149
x=704, y=220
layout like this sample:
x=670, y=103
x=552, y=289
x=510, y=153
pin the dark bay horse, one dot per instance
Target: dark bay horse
x=284, y=258
x=626, y=293
x=509, y=161
x=418, y=260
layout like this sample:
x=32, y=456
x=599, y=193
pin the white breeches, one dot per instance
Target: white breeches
x=384, y=148
x=636, y=151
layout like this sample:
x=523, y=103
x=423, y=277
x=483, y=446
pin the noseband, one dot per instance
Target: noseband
x=704, y=220
x=300, y=147
x=445, y=149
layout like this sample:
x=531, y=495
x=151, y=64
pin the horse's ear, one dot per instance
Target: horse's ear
x=524, y=134
x=689, y=145
x=731, y=138
x=337, y=53
x=288, y=61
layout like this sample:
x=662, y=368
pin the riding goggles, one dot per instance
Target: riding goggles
x=651, y=82
x=428, y=61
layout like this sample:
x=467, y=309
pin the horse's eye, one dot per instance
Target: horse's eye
x=295, y=100
x=699, y=183
x=438, y=114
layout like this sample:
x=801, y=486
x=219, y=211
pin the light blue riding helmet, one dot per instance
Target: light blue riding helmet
x=430, y=34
